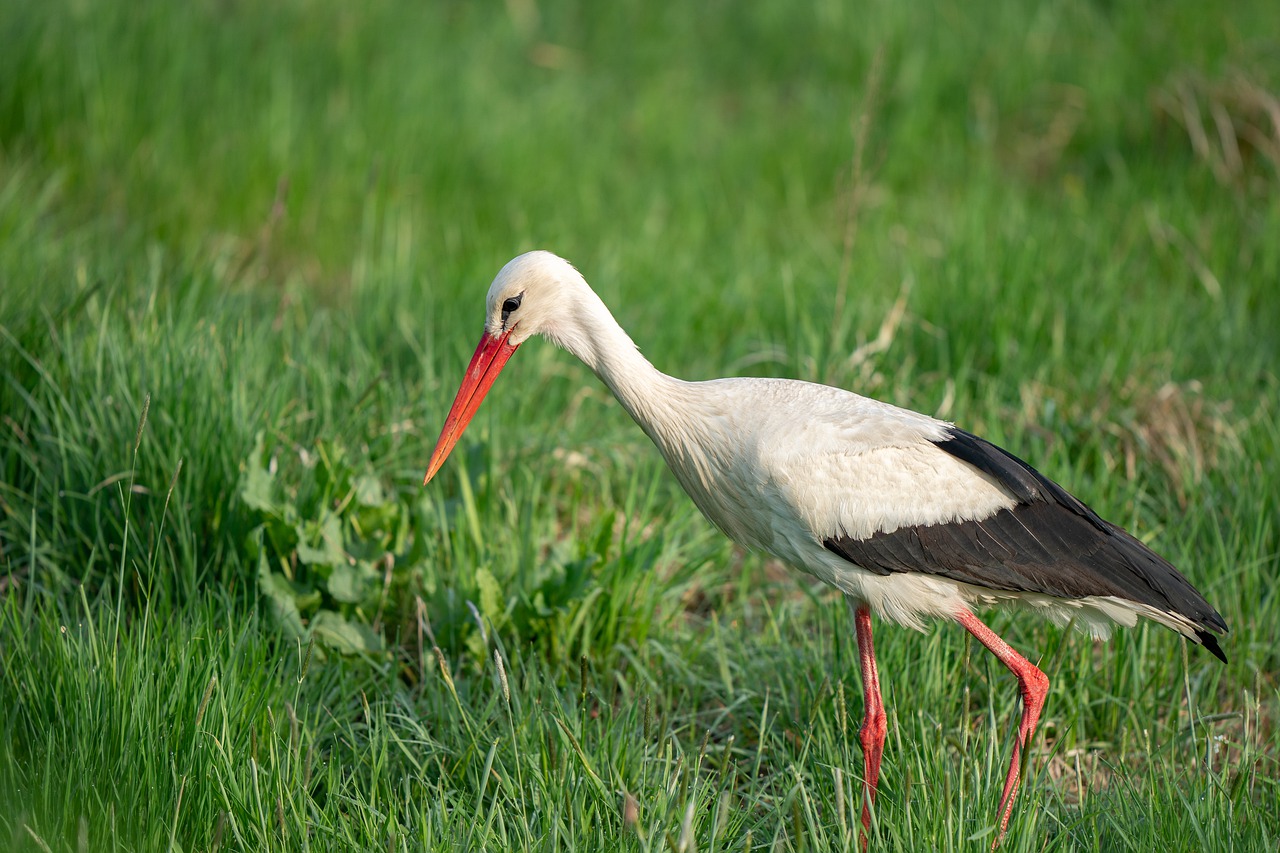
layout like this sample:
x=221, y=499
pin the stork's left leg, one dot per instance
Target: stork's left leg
x=873, y=723
x=1034, y=686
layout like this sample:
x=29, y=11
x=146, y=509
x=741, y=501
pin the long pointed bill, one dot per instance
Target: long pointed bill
x=486, y=364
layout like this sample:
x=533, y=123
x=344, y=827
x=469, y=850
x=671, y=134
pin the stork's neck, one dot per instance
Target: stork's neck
x=600, y=343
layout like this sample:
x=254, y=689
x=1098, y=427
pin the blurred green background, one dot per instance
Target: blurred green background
x=243, y=254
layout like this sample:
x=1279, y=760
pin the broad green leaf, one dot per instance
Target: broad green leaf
x=257, y=489
x=492, y=606
x=369, y=491
x=337, y=633
x=347, y=582
x=280, y=598
x=328, y=551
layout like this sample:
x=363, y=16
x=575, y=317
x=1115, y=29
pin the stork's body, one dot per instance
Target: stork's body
x=908, y=516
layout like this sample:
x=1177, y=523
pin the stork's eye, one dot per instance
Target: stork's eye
x=510, y=305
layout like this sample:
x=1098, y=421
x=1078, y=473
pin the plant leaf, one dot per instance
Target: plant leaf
x=369, y=491
x=492, y=606
x=347, y=583
x=280, y=598
x=348, y=638
x=328, y=551
x=257, y=489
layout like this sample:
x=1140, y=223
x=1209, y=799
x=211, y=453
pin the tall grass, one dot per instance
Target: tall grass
x=271, y=228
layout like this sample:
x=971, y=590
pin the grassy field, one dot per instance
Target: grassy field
x=243, y=255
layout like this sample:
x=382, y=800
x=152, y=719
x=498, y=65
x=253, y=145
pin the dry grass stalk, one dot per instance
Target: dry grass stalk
x=1231, y=123
x=1172, y=423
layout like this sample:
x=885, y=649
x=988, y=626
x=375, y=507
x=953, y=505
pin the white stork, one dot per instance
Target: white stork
x=909, y=516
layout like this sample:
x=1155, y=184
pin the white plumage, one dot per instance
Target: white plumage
x=908, y=516
x=780, y=465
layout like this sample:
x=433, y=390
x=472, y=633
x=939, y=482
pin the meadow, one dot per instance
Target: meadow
x=243, y=255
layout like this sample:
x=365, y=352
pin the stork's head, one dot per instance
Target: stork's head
x=532, y=295
x=536, y=293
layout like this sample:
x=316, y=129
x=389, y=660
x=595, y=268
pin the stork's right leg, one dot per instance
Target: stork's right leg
x=1034, y=686
x=873, y=724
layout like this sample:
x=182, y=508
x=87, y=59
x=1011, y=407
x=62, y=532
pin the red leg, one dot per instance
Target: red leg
x=873, y=724
x=1034, y=686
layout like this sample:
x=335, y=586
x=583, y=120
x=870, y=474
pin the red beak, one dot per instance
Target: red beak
x=486, y=364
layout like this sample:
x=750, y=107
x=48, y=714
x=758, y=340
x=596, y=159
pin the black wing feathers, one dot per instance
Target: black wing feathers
x=1026, y=483
x=1048, y=543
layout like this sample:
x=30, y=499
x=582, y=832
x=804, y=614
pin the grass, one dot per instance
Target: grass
x=242, y=256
